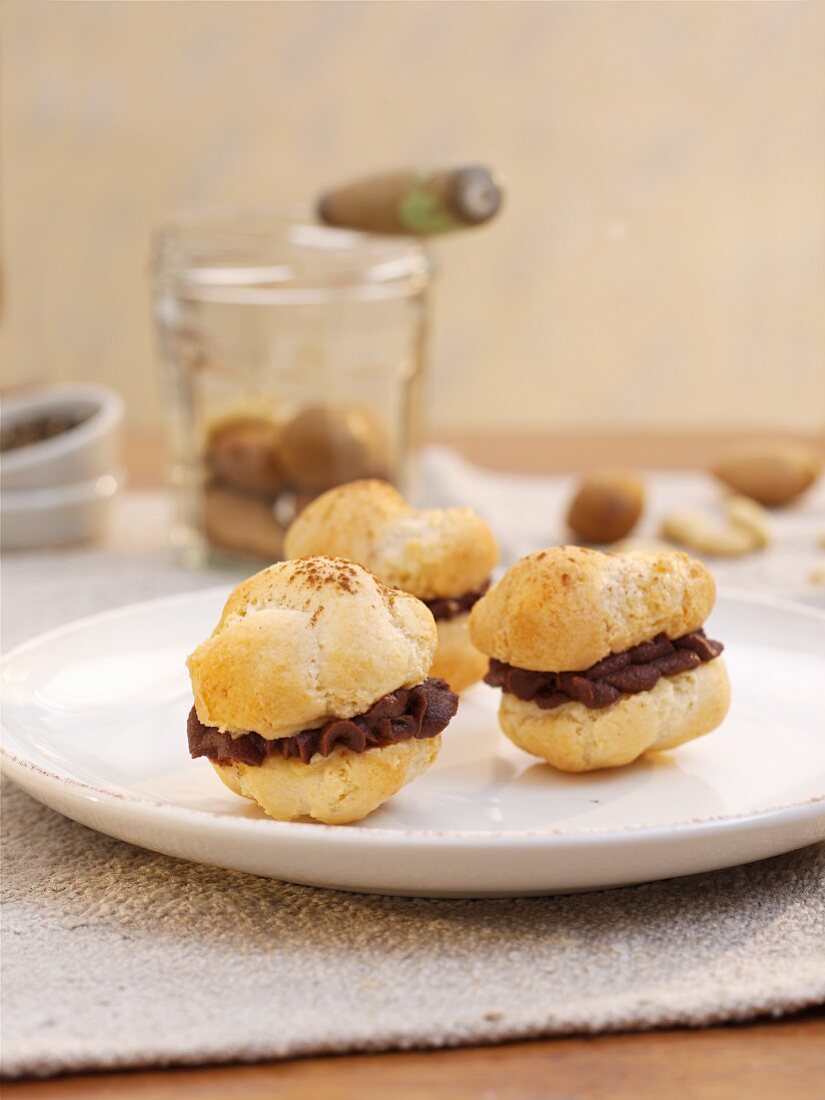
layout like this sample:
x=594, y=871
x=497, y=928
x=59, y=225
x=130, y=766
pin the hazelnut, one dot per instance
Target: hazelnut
x=607, y=506
x=770, y=473
x=242, y=525
x=246, y=453
x=324, y=446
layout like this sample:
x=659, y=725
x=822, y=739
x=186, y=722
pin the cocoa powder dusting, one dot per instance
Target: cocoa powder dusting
x=317, y=574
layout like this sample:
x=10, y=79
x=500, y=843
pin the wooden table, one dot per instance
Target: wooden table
x=760, y=1061
x=755, y=1062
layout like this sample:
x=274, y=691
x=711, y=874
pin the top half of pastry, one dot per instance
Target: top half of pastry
x=567, y=607
x=305, y=641
x=434, y=554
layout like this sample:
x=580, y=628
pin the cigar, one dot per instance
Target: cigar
x=418, y=203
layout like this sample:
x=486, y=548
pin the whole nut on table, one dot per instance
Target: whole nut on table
x=748, y=514
x=700, y=532
x=746, y=528
x=607, y=506
x=770, y=473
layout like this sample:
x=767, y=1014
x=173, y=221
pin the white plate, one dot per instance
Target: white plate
x=94, y=725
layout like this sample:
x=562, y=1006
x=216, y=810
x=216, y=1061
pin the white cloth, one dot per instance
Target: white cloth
x=527, y=513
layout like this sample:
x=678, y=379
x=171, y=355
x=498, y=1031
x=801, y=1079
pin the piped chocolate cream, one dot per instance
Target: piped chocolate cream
x=450, y=607
x=419, y=712
x=634, y=670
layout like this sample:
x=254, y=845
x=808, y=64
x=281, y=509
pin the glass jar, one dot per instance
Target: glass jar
x=292, y=358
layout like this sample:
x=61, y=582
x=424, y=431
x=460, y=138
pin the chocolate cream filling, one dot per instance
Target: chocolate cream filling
x=419, y=712
x=637, y=669
x=450, y=607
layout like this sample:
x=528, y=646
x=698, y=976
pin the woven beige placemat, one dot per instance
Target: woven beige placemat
x=113, y=956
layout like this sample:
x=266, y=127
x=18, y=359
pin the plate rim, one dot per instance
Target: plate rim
x=10, y=763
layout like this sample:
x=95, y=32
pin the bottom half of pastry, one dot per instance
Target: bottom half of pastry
x=339, y=771
x=577, y=738
x=336, y=789
x=457, y=660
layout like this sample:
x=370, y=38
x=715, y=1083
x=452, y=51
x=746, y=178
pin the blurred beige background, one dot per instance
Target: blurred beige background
x=661, y=260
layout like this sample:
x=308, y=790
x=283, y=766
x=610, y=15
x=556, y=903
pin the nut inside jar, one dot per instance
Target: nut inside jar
x=261, y=470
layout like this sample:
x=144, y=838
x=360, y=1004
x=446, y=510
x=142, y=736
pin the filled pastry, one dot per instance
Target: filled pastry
x=444, y=557
x=312, y=694
x=602, y=657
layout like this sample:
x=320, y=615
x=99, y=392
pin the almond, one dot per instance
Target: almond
x=770, y=473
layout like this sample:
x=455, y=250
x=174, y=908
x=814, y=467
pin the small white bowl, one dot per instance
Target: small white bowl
x=80, y=454
x=34, y=519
